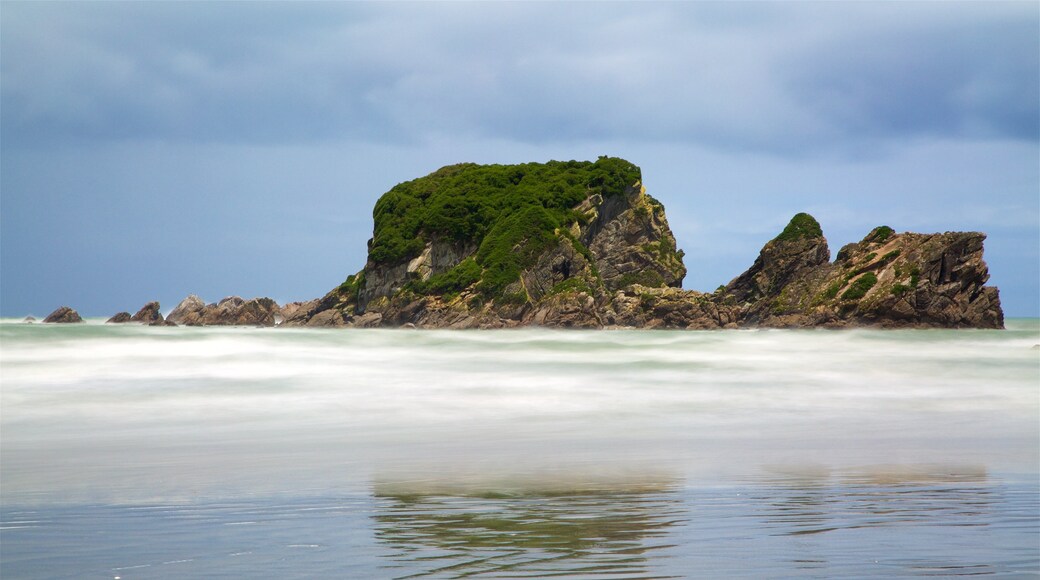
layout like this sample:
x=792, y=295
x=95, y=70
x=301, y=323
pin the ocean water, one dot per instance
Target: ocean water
x=136, y=452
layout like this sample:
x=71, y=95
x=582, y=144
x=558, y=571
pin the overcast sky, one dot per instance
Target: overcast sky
x=152, y=150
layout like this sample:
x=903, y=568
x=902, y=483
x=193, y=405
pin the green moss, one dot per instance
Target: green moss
x=890, y=256
x=510, y=212
x=860, y=287
x=869, y=257
x=801, y=226
x=900, y=289
x=915, y=276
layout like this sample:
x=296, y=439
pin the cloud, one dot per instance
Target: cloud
x=787, y=79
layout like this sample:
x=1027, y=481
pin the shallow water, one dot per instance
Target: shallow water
x=232, y=452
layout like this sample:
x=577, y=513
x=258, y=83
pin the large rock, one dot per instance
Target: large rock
x=595, y=231
x=148, y=314
x=63, y=314
x=886, y=279
x=231, y=311
x=188, y=312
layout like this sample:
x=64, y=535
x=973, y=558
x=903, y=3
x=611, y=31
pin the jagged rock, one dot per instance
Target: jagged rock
x=119, y=318
x=295, y=310
x=610, y=234
x=188, y=312
x=148, y=314
x=886, y=279
x=581, y=244
x=29, y=319
x=231, y=311
x=63, y=314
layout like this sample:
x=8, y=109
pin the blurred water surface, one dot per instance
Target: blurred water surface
x=233, y=452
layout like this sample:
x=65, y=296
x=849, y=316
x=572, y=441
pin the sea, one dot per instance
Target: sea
x=140, y=452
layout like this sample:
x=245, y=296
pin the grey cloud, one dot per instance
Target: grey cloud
x=786, y=79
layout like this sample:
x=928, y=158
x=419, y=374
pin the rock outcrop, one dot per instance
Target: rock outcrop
x=231, y=311
x=148, y=314
x=886, y=279
x=63, y=314
x=583, y=245
x=610, y=260
x=119, y=318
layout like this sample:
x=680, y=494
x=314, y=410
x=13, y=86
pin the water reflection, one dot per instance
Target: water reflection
x=818, y=509
x=621, y=531
x=804, y=501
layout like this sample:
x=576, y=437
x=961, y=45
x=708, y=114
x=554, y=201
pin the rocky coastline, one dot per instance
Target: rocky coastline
x=601, y=255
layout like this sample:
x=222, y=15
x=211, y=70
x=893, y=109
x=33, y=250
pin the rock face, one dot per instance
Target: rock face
x=63, y=314
x=583, y=245
x=561, y=239
x=148, y=314
x=886, y=279
x=231, y=311
x=610, y=260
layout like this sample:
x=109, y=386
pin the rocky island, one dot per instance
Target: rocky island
x=582, y=244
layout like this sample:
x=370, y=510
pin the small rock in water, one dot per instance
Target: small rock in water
x=63, y=314
x=119, y=318
x=29, y=319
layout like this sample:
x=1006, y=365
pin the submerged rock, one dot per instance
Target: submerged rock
x=63, y=314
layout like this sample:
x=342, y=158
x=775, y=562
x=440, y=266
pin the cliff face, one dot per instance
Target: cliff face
x=556, y=242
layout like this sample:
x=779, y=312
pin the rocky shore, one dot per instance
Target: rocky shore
x=594, y=250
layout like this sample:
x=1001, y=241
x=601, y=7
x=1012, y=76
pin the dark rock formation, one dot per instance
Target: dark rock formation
x=119, y=318
x=612, y=262
x=231, y=311
x=29, y=319
x=886, y=279
x=553, y=269
x=63, y=314
x=188, y=311
x=148, y=314
x=582, y=245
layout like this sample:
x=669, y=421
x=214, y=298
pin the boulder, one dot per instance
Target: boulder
x=148, y=314
x=188, y=312
x=119, y=318
x=63, y=314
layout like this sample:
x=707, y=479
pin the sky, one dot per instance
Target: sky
x=153, y=150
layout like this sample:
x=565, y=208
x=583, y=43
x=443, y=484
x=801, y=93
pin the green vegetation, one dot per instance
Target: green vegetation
x=802, y=225
x=642, y=277
x=869, y=257
x=890, y=256
x=900, y=289
x=860, y=287
x=915, y=276
x=571, y=285
x=511, y=211
x=450, y=282
x=351, y=287
x=833, y=289
x=879, y=234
